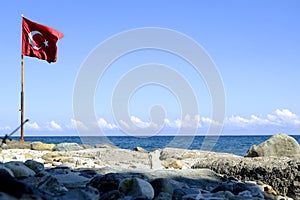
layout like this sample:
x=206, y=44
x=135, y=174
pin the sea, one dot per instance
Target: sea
x=228, y=144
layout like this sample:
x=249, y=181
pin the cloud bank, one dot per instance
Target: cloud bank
x=281, y=120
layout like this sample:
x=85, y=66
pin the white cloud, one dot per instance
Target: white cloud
x=124, y=124
x=103, y=124
x=279, y=118
x=186, y=122
x=32, y=125
x=53, y=126
x=138, y=122
x=78, y=124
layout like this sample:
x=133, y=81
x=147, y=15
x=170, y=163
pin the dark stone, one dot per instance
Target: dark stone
x=137, y=188
x=162, y=185
x=112, y=195
x=88, y=193
x=14, y=187
x=59, y=170
x=111, y=181
x=180, y=192
x=89, y=173
x=105, y=183
x=34, y=165
x=233, y=187
x=163, y=196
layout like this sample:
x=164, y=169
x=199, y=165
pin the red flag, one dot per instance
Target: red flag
x=39, y=40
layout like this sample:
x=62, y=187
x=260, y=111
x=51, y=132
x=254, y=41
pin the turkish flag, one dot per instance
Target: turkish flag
x=39, y=40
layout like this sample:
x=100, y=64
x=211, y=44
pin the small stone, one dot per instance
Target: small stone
x=89, y=193
x=107, y=146
x=34, y=165
x=87, y=146
x=163, y=196
x=137, y=188
x=28, y=156
x=268, y=189
x=256, y=192
x=172, y=163
x=140, y=149
x=72, y=180
x=162, y=185
x=178, y=193
x=50, y=184
x=4, y=171
x=114, y=194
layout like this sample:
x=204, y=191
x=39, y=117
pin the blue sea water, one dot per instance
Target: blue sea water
x=230, y=144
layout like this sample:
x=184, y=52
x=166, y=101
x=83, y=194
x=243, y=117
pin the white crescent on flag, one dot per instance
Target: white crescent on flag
x=31, y=41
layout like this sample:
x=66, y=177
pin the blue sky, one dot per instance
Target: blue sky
x=255, y=46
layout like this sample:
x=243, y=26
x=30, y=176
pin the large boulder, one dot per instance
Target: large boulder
x=278, y=145
x=15, y=144
x=39, y=146
x=19, y=169
x=67, y=147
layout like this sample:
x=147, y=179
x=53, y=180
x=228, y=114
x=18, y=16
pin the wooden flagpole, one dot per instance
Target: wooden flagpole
x=22, y=87
x=22, y=99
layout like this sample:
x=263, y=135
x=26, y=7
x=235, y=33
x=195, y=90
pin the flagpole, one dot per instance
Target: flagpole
x=22, y=89
x=22, y=99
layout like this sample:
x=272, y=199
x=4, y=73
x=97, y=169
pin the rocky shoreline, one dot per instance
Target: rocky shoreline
x=71, y=171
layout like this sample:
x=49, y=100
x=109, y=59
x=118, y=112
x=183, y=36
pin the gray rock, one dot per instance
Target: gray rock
x=51, y=186
x=34, y=165
x=72, y=180
x=163, y=196
x=67, y=147
x=19, y=169
x=256, y=192
x=140, y=149
x=4, y=171
x=114, y=194
x=58, y=170
x=234, y=187
x=180, y=192
x=137, y=188
x=107, y=146
x=4, y=196
x=13, y=187
x=154, y=160
x=278, y=145
x=111, y=181
x=15, y=144
x=89, y=173
x=105, y=183
x=89, y=193
x=162, y=185
x=87, y=146
x=280, y=173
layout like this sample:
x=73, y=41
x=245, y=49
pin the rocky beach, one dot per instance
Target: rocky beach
x=35, y=170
